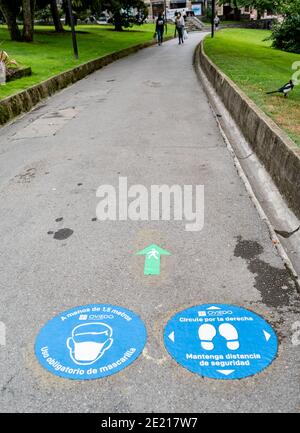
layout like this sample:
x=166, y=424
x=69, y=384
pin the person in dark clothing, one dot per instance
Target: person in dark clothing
x=160, y=27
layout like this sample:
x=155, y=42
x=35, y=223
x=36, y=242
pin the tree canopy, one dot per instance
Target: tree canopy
x=123, y=13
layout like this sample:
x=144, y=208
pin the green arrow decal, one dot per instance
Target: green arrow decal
x=152, y=259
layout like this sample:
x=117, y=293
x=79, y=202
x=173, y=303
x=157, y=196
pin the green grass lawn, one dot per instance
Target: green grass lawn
x=257, y=68
x=51, y=53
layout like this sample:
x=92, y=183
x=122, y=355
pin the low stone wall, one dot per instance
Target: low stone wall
x=24, y=101
x=263, y=24
x=275, y=149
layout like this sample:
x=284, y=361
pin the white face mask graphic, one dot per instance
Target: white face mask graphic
x=89, y=341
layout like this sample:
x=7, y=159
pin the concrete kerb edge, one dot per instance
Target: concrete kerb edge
x=287, y=262
x=273, y=236
x=278, y=153
x=24, y=101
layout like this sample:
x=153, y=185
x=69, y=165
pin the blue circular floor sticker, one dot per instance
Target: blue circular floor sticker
x=90, y=342
x=220, y=341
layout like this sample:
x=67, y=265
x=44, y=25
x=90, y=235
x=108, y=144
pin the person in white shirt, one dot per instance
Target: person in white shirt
x=179, y=23
x=217, y=22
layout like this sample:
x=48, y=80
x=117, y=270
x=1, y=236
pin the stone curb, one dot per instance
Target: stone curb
x=24, y=101
x=279, y=154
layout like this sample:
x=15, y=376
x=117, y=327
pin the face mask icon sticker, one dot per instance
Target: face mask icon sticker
x=89, y=342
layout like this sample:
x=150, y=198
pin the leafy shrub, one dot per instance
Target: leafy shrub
x=9, y=63
x=286, y=36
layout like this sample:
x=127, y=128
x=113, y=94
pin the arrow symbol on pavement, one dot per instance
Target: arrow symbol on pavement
x=214, y=308
x=267, y=335
x=152, y=259
x=172, y=336
x=225, y=372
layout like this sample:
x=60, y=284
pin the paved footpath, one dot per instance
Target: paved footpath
x=146, y=118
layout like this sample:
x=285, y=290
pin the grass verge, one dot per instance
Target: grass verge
x=52, y=53
x=250, y=61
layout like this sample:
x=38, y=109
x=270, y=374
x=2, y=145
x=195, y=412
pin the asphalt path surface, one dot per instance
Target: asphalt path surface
x=145, y=118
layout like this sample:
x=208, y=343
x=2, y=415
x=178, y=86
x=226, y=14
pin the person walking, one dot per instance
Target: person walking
x=175, y=30
x=160, y=27
x=179, y=23
x=217, y=22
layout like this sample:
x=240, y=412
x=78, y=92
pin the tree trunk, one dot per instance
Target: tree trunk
x=32, y=6
x=65, y=8
x=118, y=22
x=11, y=20
x=237, y=14
x=27, y=20
x=55, y=16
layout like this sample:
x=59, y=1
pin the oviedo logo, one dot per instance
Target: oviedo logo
x=214, y=313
